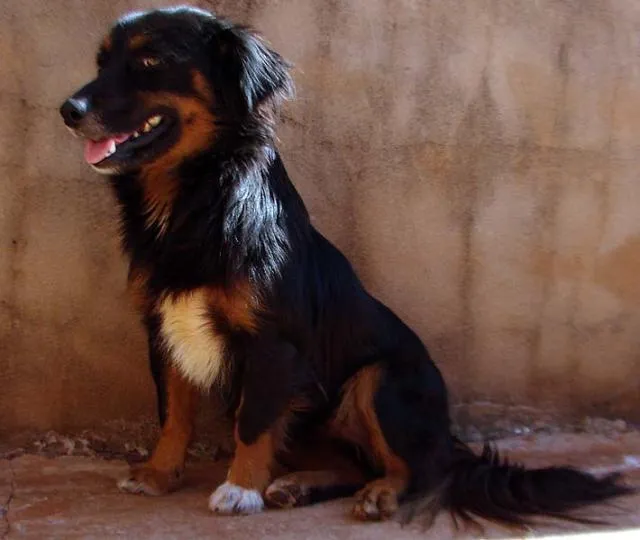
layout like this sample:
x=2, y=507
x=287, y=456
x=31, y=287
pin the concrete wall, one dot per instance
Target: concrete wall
x=477, y=160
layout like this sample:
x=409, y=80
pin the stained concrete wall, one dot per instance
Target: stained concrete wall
x=477, y=160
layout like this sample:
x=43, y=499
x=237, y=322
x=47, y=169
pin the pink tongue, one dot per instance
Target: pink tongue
x=96, y=151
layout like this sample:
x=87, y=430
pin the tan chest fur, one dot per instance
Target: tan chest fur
x=190, y=335
x=188, y=332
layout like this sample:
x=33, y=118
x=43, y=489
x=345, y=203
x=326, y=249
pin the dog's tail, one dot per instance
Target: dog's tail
x=490, y=487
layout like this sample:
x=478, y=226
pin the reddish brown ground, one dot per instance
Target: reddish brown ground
x=76, y=497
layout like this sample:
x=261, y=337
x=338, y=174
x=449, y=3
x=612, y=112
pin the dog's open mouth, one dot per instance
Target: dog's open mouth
x=123, y=144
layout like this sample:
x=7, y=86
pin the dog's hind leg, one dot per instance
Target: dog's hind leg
x=309, y=487
x=320, y=469
x=396, y=413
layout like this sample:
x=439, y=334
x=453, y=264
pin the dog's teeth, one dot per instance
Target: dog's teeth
x=112, y=148
x=155, y=120
x=147, y=127
x=135, y=135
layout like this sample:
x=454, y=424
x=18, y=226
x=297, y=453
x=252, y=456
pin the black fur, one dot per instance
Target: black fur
x=237, y=216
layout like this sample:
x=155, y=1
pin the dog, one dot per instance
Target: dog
x=240, y=293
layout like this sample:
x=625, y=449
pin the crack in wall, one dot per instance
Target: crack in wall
x=5, y=525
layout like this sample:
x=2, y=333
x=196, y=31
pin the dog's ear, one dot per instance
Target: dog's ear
x=248, y=72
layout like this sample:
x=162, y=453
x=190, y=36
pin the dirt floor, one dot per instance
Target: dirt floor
x=76, y=497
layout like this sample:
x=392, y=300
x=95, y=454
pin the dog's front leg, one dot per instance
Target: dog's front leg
x=265, y=408
x=177, y=406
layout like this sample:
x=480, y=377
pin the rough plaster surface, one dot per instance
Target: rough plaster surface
x=476, y=159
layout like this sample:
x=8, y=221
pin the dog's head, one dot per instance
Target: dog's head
x=170, y=83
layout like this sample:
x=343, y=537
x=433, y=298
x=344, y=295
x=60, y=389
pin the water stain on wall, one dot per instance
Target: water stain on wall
x=477, y=161
x=617, y=272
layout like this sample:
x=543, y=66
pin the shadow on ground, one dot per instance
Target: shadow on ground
x=76, y=497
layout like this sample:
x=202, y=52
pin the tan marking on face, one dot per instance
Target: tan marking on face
x=106, y=43
x=138, y=41
x=159, y=191
x=197, y=132
x=201, y=86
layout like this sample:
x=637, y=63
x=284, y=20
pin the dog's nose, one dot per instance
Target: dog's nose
x=74, y=110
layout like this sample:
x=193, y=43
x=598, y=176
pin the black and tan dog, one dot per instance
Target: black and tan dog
x=239, y=292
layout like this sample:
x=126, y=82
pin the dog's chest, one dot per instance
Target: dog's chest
x=188, y=331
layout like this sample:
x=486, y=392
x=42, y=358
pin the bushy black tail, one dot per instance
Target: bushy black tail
x=490, y=487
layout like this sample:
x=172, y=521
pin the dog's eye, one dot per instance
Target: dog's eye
x=150, y=61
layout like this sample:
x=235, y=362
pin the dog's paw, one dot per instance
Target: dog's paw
x=285, y=493
x=375, y=502
x=232, y=499
x=149, y=481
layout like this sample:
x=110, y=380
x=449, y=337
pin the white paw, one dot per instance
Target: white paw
x=232, y=499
